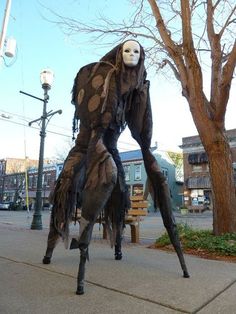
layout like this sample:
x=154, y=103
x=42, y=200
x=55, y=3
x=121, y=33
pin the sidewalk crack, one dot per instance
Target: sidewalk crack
x=99, y=285
x=214, y=297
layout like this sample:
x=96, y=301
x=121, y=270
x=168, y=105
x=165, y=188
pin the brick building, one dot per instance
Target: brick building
x=14, y=187
x=16, y=165
x=49, y=178
x=197, y=185
x=12, y=177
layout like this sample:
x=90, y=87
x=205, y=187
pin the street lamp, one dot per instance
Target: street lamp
x=46, y=78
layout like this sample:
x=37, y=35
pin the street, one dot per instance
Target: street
x=151, y=226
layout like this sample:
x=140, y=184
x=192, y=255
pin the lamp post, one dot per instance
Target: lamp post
x=46, y=77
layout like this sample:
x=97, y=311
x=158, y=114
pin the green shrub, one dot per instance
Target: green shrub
x=202, y=239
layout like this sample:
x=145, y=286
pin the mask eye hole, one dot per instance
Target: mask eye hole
x=136, y=51
x=127, y=50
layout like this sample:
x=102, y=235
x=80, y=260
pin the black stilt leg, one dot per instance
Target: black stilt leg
x=81, y=272
x=174, y=238
x=48, y=255
x=118, y=252
x=162, y=198
x=82, y=243
x=170, y=225
x=53, y=237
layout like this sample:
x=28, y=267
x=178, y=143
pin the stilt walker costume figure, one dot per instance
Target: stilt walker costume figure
x=108, y=95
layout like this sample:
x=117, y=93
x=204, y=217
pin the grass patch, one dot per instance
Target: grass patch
x=201, y=240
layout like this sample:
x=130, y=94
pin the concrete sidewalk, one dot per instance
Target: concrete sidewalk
x=145, y=281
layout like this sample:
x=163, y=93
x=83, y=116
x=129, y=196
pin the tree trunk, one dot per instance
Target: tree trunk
x=219, y=155
x=222, y=182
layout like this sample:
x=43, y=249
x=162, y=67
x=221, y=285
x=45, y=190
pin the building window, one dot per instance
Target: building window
x=35, y=181
x=19, y=182
x=137, y=172
x=137, y=189
x=127, y=172
x=30, y=184
x=197, y=197
x=12, y=181
x=197, y=168
x=165, y=172
x=46, y=179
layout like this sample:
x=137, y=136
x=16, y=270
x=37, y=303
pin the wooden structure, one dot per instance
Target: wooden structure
x=135, y=214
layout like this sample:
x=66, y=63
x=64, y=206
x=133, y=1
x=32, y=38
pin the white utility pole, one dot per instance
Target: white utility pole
x=4, y=27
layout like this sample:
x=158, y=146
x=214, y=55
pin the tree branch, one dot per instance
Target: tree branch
x=173, y=50
x=227, y=22
x=225, y=84
x=192, y=65
x=216, y=54
x=176, y=73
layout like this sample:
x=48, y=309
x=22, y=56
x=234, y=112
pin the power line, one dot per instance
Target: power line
x=69, y=136
x=65, y=135
x=56, y=133
x=32, y=127
x=27, y=119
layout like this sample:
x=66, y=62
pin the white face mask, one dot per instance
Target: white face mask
x=131, y=53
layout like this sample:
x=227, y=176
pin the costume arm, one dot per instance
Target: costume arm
x=140, y=116
x=140, y=124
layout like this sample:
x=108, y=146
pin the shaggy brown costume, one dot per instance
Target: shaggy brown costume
x=107, y=95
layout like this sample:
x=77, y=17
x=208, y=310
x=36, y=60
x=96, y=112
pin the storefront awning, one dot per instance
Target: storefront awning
x=198, y=182
x=197, y=158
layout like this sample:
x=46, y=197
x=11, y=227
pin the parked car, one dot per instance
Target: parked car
x=47, y=206
x=5, y=206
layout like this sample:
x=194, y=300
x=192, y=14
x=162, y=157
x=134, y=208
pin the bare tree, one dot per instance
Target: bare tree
x=177, y=159
x=208, y=114
x=184, y=34
x=60, y=154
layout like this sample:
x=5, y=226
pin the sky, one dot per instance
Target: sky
x=41, y=44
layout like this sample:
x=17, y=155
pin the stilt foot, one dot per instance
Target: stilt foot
x=186, y=274
x=80, y=290
x=46, y=260
x=118, y=256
